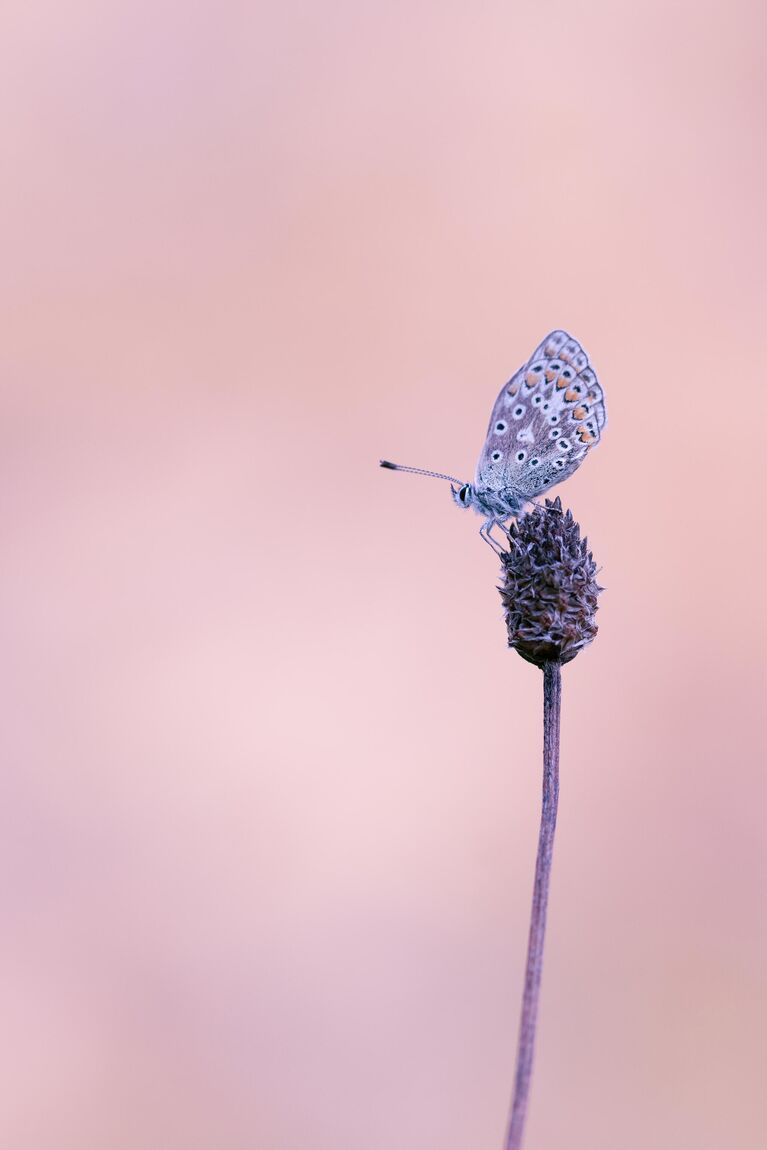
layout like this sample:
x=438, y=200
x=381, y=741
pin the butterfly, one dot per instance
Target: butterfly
x=545, y=421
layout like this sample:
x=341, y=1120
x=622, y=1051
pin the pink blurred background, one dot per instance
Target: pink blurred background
x=270, y=776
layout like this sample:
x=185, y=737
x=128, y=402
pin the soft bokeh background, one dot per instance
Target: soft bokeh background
x=270, y=776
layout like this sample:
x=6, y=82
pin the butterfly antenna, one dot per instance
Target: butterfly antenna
x=420, y=471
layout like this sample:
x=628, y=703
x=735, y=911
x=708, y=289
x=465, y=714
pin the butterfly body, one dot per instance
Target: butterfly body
x=543, y=424
x=498, y=505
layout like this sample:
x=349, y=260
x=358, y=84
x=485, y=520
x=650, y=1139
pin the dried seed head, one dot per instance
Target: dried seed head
x=549, y=591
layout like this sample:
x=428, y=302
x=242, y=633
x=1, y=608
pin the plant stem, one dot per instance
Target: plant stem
x=552, y=696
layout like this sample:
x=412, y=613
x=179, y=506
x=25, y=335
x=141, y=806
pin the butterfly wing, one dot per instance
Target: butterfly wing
x=544, y=422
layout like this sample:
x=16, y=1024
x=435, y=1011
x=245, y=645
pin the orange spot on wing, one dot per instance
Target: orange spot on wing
x=571, y=396
x=513, y=389
x=580, y=412
x=550, y=374
x=585, y=435
x=531, y=379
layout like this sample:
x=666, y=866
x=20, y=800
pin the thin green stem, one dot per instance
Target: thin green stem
x=552, y=696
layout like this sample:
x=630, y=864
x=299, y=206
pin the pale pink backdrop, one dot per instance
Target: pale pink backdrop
x=270, y=776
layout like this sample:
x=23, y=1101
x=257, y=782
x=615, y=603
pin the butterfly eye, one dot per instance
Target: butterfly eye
x=463, y=494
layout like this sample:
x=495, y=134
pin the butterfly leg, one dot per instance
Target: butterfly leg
x=485, y=530
x=504, y=523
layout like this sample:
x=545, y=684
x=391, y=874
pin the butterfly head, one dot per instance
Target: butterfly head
x=464, y=495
